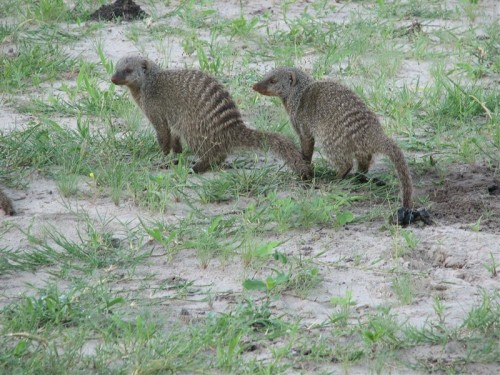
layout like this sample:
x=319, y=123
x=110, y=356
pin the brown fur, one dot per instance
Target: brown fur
x=6, y=204
x=331, y=114
x=193, y=106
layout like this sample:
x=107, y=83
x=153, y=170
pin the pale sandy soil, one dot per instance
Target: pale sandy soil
x=450, y=256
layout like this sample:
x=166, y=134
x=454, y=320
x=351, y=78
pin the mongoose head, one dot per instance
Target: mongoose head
x=282, y=82
x=131, y=70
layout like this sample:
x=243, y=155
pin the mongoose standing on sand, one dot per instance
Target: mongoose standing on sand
x=194, y=106
x=6, y=204
x=332, y=115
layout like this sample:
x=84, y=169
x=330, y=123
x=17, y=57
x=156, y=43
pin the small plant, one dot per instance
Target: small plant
x=48, y=10
x=291, y=213
x=439, y=309
x=344, y=217
x=492, y=267
x=35, y=63
x=344, y=305
x=250, y=250
x=67, y=184
x=403, y=287
x=241, y=26
x=157, y=192
x=51, y=308
x=411, y=240
x=476, y=227
x=212, y=239
x=291, y=276
x=400, y=248
x=271, y=283
x=381, y=332
x=486, y=316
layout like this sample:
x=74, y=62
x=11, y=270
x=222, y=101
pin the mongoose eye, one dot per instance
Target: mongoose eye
x=273, y=80
x=128, y=71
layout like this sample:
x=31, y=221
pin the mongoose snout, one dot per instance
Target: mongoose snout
x=261, y=89
x=118, y=79
x=193, y=106
x=123, y=71
x=277, y=85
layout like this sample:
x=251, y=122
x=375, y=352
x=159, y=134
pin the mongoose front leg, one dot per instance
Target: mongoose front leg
x=307, y=146
x=342, y=162
x=364, y=162
x=164, y=138
x=343, y=171
x=176, y=145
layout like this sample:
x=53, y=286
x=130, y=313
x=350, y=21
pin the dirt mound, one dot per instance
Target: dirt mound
x=123, y=9
x=465, y=194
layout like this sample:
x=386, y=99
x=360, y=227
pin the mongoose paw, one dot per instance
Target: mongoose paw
x=197, y=167
x=306, y=175
x=167, y=165
x=406, y=216
x=363, y=179
x=378, y=181
x=227, y=166
x=9, y=211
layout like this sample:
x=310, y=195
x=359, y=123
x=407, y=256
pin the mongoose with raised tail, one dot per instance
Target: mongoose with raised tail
x=332, y=115
x=6, y=204
x=193, y=106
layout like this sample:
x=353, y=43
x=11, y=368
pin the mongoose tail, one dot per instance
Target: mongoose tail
x=278, y=145
x=6, y=204
x=392, y=150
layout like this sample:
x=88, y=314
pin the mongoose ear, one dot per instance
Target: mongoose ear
x=145, y=65
x=293, y=79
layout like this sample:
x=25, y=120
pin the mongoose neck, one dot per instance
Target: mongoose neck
x=136, y=95
x=153, y=68
x=136, y=87
x=292, y=101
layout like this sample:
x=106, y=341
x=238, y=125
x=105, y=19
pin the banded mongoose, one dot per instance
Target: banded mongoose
x=6, y=204
x=334, y=116
x=194, y=106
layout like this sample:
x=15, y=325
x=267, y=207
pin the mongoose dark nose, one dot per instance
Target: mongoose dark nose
x=255, y=87
x=115, y=80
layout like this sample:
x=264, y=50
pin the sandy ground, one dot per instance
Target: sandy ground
x=450, y=256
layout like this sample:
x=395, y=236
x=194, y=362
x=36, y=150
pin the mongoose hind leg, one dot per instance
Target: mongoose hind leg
x=343, y=171
x=343, y=163
x=364, y=162
x=307, y=146
x=176, y=145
